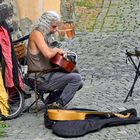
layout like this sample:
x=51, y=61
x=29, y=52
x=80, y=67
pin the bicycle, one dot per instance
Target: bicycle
x=16, y=97
x=16, y=102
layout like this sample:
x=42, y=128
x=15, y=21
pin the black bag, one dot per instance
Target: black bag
x=75, y=128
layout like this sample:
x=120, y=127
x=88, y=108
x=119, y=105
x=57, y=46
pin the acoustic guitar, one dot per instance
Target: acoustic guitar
x=63, y=62
x=58, y=114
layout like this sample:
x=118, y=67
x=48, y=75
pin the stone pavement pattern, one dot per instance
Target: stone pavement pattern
x=102, y=63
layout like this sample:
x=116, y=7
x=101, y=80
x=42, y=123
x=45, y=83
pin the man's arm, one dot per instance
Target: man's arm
x=37, y=43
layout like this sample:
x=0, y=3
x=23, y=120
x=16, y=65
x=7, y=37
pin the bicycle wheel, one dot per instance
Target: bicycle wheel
x=16, y=102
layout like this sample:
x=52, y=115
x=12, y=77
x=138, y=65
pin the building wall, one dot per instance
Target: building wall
x=32, y=9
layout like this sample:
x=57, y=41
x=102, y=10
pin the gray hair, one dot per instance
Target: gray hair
x=44, y=22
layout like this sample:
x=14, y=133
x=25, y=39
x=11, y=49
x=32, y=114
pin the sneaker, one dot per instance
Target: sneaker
x=54, y=105
x=48, y=100
x=53, y=97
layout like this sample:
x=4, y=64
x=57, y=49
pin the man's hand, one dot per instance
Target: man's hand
x=60, y=51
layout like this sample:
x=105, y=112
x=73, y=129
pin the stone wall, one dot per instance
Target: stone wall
x=6, y=10
x=10, y=15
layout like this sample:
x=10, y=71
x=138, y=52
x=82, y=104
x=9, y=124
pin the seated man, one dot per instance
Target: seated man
x=39, y=53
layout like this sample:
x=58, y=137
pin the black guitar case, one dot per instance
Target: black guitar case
x=76, y=128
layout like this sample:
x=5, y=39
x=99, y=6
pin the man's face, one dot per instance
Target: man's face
x=54, y=27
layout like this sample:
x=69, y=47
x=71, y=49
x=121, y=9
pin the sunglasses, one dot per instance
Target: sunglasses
x=54, y=26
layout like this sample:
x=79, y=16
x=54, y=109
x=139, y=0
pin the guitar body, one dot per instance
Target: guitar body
x=60, y=61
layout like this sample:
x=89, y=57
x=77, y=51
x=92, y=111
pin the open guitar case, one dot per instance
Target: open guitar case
x=92, y=123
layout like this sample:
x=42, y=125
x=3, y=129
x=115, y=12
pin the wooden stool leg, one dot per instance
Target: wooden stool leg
x=36, y=94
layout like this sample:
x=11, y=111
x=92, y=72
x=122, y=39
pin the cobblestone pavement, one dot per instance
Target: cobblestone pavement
x=107, y=78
